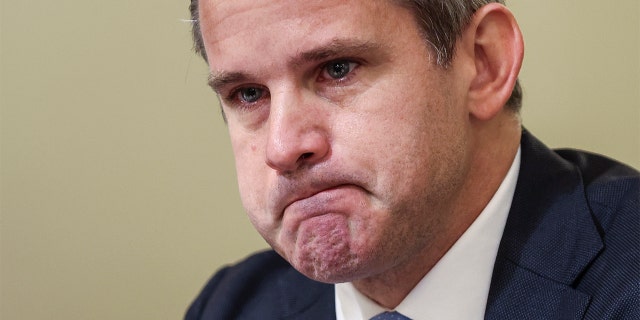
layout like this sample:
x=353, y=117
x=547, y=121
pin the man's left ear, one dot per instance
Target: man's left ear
x=493, y=41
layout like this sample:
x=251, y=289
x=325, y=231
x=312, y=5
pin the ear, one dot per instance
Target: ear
x=493, y=42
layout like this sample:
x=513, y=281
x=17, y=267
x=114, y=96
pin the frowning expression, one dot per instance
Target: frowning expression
x=349, y=141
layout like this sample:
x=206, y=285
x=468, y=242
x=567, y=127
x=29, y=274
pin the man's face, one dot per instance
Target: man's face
x=350, y=143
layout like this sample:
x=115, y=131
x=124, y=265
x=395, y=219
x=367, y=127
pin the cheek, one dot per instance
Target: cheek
x=250, y=174
x=253, y=187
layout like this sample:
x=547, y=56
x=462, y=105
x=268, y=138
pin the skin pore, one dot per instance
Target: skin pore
x=358, y=158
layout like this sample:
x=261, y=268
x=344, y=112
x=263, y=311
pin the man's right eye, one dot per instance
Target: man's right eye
x=250, y=95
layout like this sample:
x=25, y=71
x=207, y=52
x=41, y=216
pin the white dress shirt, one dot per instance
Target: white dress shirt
x=457, y=287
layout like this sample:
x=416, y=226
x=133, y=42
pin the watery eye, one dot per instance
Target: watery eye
x=250, y=95
x=339, y=69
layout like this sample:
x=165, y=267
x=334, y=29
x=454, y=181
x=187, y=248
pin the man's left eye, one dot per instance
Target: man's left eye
x=339, y=69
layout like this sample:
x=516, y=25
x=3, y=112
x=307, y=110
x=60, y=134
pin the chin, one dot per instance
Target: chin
x=329, y=272
x=334, y=266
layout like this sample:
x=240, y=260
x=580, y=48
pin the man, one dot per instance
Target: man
x=379, y=148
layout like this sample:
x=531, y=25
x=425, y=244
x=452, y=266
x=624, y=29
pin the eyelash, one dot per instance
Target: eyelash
x=234, y=99
x=354, y=65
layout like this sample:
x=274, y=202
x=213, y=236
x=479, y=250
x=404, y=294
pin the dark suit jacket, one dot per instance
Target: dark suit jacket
x=570, y=250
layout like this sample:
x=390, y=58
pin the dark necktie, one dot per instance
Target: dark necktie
x=390, y=316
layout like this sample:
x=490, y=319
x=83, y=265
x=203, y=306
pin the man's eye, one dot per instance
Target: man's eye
x=250, y=95
x=339, y=69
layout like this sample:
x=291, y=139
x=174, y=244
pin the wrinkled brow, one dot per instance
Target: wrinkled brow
x=333, y=49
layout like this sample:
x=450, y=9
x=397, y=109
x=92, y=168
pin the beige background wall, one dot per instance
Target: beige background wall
x=118, y=195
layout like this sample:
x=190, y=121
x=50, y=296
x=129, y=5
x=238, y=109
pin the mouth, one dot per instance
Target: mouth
x=307, y=196
x=317, y=192
x=338, y=199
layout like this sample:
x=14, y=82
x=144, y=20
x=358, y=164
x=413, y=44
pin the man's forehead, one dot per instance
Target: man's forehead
x=222, y=19
x=225, y=9
x=229, y=25
x=256, y=13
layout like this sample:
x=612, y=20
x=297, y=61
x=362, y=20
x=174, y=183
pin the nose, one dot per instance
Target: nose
x=298, y=135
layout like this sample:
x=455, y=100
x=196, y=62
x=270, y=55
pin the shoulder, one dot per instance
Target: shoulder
x=574, y=224
x=612, y=192
x=263, y=286
x=610, y=189
x=607, y=182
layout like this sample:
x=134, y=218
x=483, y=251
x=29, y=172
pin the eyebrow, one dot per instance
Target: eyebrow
x=335, y=48
x=219, y=80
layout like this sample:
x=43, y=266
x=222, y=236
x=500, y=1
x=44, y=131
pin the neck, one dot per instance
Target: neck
x=494, y=146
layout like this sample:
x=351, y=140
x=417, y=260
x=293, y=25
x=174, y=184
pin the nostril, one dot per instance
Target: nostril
x=306, y=155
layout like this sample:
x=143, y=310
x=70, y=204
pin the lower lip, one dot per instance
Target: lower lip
x=340, y=199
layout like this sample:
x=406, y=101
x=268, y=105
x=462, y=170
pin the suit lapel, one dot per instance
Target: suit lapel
x=304, y=298
x=549, y=239
x=322, y=309
x=518, y=293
